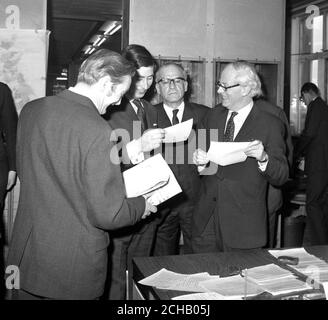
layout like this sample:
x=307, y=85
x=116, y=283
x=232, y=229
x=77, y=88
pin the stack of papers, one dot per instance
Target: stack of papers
x=234, y=287
x=168, y=280
x=151, y=175
x=201, y=296
x=179, y=132
x=308, y=264
x=275, y=279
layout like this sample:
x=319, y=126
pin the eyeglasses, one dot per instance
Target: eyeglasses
x=167, y=82
x=225, y=88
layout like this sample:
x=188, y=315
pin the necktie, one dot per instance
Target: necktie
x=230, y=129
x=141, y=114
x=175, y=119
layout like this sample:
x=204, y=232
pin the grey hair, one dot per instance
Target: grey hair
x=179, y=66
x=247, y=75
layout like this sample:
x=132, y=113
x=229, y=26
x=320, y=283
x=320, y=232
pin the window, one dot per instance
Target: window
x=308, y=62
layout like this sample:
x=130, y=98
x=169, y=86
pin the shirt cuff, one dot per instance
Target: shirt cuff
x=135, y=154
x=263, y=164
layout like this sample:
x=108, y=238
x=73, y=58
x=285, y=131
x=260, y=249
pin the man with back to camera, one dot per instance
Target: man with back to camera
x=71, y=185
x=134, y=127
x=231, y=211
x=313, y=144
x=8, y=127
x=176, y=213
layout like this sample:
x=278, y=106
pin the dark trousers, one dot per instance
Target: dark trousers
x=127, y=243
x=3, y=187
x=176, y=219
x=316, y=229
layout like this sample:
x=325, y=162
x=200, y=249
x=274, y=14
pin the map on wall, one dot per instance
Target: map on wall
x=23, y=62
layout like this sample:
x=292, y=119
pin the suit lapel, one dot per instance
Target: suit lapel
x=163, y=120
x=221, y=123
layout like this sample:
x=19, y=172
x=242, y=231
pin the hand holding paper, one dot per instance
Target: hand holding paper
x=151, y=139
x=200, y=157
x=255, y=149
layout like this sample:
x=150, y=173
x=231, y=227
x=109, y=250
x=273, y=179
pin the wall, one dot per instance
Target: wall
x=211, y=29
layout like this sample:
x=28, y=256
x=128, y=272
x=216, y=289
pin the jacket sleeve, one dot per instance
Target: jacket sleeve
x=8, y=124
x=277, y=170
x=108, y=207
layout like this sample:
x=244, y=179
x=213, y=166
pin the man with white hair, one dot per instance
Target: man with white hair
x=231, y=211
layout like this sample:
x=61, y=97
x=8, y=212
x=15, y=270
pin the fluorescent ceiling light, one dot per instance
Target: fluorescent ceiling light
x=61, y=78
x=118, y=27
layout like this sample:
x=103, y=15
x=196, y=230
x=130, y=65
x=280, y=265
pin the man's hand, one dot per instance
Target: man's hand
x=149, y=208
x=200, y=157
x=151, y=139
x=11, y=179
x=256, y=150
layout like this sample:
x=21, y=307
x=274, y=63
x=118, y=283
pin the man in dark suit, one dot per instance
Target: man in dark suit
x=8, y=127
x=313, y=144
x=71, y=185
x=171, y=84
x=137, y=135
x=231, y=212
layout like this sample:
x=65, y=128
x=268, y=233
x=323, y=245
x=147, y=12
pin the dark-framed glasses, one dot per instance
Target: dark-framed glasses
x=168, y=82
x=225, y=88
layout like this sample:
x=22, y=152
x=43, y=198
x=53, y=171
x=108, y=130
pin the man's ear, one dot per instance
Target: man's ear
x=245, y=90
x=157, y=87
x=185, y=85
x=106, y=83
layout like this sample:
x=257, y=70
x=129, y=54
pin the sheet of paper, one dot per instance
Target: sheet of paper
x=152, y=175
x=179, y=132
x=146, y=176
x=201, y=296
x=168, y=280
x=325, y=288
x=225, y=153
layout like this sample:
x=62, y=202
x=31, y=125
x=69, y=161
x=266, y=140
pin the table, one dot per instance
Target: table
x=219, y=263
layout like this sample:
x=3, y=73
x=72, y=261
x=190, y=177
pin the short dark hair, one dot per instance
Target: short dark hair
x=139, y=55
x=105, y=62
x=309, y=86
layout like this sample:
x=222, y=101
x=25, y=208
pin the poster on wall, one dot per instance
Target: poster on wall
x=23, y=63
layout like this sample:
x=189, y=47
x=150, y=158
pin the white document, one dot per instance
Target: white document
x=225, y=153
x=179, y=132
x=151, y=175
x=169, y=280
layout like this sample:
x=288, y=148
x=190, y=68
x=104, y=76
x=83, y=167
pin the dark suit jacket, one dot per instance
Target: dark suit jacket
x=183, y=168
x=70, y=191
x=8, y=127
x=313, y=142
x=239, y=190
x=124, y=121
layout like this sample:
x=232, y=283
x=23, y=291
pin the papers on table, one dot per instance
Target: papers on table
x=201, y=296
x=225, y=153
x=276, y=280
x=165, y=279
x=151, y=175
x=233, y=287
x=179, y=132
x=308, y=264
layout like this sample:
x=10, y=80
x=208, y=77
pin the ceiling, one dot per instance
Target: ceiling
x=73, y=22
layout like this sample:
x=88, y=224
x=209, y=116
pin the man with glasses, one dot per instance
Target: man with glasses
x=313, y=144
x=231, y=212
x=171, y=84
